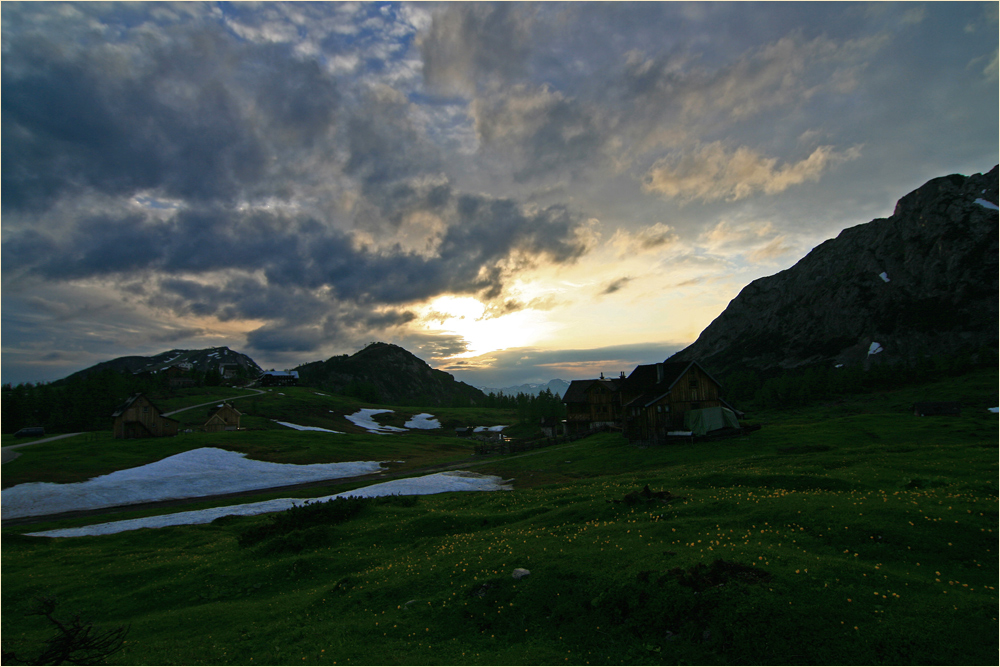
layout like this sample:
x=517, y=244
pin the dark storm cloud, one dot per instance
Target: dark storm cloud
x=191, y=114
x=295, y=257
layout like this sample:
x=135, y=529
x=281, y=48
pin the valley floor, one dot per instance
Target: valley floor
x=845, y=533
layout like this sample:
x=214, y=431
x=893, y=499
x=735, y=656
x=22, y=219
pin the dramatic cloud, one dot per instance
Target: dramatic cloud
x=474, y=44
x=297, y=179
x=713, y=173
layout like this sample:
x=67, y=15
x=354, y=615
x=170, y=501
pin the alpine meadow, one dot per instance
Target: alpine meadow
x=500, y=333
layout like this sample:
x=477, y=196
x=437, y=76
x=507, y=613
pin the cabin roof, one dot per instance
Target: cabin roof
x=132, y=399
x=577, y=390
x=644, y=378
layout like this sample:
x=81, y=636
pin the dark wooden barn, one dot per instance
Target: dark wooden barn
x=139, y=418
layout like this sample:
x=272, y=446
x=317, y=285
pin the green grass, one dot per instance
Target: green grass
x=872, y=535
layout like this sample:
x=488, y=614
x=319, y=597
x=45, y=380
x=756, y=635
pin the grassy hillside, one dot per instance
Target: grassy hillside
x=845, y=533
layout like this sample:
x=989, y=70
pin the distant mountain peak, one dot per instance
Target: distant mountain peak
x=199, y=360
x=387, y=373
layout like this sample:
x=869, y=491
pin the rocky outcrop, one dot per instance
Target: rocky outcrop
x=388, y=374
x=918, y=284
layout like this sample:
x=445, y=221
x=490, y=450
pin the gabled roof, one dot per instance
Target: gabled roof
x=132, y=399
x=644, y=379
x=219, y=408
x=577, y=390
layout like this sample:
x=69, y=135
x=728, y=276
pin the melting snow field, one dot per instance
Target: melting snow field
x=199, y=472
x=442, y=482
x=363, y=418
x=306, y=428
x=424, y=421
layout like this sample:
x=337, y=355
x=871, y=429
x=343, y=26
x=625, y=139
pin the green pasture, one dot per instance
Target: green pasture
x=845, y=533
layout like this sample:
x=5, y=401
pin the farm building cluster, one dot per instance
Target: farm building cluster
x=653, y=404
x=138, y=417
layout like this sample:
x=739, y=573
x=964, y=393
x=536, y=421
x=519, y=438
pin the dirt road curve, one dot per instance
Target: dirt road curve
x=201, y=405
x=7, y=454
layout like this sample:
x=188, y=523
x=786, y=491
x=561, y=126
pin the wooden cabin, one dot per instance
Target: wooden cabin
x=655, y=398
x=179, y=375
x=223, y=418
x=139, y=418
x=592, y=404
x=279, y=378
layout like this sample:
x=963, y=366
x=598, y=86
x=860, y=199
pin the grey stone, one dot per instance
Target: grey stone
x=940, y=247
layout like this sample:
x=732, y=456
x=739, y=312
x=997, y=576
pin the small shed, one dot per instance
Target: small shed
x=139, y=418
x=223, y=418
x=30, y=432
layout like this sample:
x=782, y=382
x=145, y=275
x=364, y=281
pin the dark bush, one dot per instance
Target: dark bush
x=309, y=526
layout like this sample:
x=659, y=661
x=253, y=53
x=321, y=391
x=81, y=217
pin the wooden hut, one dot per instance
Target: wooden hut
x=139, y=418
x=592, y=404
x=655, y=398
x=223, y=418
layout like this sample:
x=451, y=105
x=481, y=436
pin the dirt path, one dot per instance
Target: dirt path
x=216, y=402
x=7, y=454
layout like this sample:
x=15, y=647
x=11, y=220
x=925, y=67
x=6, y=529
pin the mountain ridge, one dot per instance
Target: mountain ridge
x=920, y=283
x=202, y=360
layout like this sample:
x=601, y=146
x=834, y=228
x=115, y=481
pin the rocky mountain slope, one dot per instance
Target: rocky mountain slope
x=198, y=360
x=384, y=373
x=918, y=284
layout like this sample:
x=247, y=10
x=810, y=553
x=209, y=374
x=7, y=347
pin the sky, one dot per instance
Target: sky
x=512, y=192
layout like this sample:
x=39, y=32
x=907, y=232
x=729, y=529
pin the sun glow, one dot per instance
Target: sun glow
x=468, y=317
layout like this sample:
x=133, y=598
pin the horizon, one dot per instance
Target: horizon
x=513, y=192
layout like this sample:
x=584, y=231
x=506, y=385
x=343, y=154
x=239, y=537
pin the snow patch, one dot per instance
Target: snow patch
x=191, y=474
x=987, y=204
x=423, y=421
x=874, y=348
x=306, y=428
x=363, y=419
x=884, y=276
x=995, y=410
x=442, y=482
